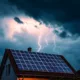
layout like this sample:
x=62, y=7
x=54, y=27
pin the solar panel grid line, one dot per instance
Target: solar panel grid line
x=67, y=70
x=66, y=67
x=63, y=65
x=48, y=67
x=34, y=67
x=39, y=62
x=33, y=64
x=14, y=55
x=32, y=55
x=42, y=62
x=52, y=60
x=19, y=61
x=24, y=62
x=47, y=58
x=56, y=60
x=62, y=68
x=51, y=66
x=29, y=67
x=17, y=58
x=59, y=69
x=57, y=63
x=19, y=66
x=47, y=63
x=38, y=65
x=62, y=61
x=34, y=58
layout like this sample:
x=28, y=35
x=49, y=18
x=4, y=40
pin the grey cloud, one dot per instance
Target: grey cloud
x=18, y=20
x=53, y=11
x=63, y=34
x=72, y=27
x=6, y=9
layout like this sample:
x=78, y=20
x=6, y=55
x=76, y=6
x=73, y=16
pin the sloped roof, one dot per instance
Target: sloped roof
x=37, y=64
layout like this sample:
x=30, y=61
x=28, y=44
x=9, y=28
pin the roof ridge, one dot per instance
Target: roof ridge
x=37, y=52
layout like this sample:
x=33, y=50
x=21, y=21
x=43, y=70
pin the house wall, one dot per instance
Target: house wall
x=32, y=79
x=12, y=75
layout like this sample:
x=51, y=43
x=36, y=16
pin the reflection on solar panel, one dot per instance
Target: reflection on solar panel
x=40, y=62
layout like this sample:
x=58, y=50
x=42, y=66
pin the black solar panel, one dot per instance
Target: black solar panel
x=40, y=62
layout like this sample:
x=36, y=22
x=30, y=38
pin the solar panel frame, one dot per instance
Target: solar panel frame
x=40, y=62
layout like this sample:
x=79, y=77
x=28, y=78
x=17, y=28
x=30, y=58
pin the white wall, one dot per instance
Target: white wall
x=12, y=75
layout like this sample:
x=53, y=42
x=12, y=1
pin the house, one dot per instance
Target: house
x=27, y=65
x=78, y=75
x=78, y=72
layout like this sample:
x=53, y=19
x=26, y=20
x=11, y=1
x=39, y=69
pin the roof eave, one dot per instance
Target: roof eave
x=43, y=74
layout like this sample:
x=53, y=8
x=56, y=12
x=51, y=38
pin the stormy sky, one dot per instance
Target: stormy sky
x=49, y=26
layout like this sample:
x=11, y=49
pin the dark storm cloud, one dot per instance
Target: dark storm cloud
x=37, y=8
x=64, y=11
x=18, y=20
x=63, y=34
x=6, y=9
x=73, y=27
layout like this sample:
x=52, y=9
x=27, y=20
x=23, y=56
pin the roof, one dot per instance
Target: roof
x=34, y=64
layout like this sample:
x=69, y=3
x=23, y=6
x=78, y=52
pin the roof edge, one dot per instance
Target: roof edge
x=68, y=64
x=7, y=54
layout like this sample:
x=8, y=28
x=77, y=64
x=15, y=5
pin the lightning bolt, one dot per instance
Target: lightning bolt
x=47, y=39
x=53, y=41
x=39, y=43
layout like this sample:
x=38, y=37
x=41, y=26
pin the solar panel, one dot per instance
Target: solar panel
x=40, y=62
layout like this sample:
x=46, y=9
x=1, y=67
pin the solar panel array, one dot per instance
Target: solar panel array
x=40, y=62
